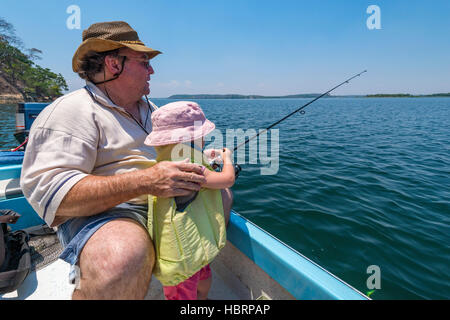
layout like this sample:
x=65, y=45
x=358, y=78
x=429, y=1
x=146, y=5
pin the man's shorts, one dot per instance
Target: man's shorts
x=74, y=233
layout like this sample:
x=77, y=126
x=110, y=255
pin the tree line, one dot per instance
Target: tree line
x=18, y=68
x=407, y=95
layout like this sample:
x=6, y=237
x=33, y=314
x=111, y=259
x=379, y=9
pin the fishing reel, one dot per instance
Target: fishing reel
x=217, y=165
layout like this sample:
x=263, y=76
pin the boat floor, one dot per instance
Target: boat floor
x=49, y=279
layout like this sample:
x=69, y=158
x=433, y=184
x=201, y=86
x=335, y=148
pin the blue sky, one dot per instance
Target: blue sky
x=256, y=46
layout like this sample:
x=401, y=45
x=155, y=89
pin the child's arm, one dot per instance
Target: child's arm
x=224, y=179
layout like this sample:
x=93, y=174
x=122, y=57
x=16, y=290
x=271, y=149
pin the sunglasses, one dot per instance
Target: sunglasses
x=143, y=61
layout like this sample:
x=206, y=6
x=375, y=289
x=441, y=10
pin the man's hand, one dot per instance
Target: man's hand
x=95, y=194
x=171, y=179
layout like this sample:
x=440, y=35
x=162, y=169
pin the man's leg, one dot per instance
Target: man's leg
x=116, y=262
x=227, y=201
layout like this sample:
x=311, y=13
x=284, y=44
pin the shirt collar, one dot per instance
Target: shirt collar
x=103, y=99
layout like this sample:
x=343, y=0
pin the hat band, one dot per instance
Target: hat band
x=131, y=42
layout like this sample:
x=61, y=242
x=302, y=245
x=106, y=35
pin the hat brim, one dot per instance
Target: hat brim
x=179, y=135
x=102, y=45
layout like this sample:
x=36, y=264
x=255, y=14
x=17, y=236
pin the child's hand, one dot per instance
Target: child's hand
x=210, y=153
x=226, y=156
x=213, y=154
x=226, y=153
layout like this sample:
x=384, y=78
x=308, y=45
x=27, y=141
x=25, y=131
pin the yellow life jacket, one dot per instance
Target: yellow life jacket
x=185, y=241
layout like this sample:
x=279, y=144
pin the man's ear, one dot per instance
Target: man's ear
x=112, y=65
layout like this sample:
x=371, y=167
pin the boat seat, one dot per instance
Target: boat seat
x=10, y=188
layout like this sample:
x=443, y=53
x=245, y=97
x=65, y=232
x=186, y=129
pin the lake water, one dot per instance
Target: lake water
x=360, y=182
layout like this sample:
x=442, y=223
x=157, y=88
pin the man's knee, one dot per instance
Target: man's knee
x=119, y=251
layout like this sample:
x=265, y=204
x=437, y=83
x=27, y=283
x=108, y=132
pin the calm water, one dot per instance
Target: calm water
x=361, y=182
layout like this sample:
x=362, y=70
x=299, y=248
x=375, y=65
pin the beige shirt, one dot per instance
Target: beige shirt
x=79, y=135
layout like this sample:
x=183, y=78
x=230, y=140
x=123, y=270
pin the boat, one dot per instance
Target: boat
x=254, y=265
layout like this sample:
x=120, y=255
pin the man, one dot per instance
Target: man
x=87, y=170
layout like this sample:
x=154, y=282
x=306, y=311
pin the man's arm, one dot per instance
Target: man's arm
x=95, y=194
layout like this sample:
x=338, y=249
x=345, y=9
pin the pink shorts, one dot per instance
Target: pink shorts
x=187, y=290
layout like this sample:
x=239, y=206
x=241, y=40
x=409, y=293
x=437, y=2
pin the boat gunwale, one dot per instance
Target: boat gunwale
x=338, y=289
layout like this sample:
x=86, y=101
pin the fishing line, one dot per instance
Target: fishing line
x=237, y=167
x=295, y=111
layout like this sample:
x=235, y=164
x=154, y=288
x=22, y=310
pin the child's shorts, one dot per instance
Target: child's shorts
x=187, y=290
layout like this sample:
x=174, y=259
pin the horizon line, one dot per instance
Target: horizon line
x=293, y=96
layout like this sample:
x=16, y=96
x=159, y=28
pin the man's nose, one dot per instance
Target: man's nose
x=150, y=70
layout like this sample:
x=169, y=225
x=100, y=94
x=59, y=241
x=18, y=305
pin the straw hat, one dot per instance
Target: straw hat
x=106, y=36
x=178, y=122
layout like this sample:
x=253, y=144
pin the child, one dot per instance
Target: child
x=188, y=232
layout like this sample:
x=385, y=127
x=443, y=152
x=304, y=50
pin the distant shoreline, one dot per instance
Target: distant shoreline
x=407, y=95
x=9, y=98
x=308, y=95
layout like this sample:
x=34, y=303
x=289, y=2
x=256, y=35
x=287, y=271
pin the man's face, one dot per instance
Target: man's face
x=136, y=73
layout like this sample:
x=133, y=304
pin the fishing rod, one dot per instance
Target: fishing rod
x=237, y=168
x=295, y=111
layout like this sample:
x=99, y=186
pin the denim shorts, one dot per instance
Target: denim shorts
x=74, y=233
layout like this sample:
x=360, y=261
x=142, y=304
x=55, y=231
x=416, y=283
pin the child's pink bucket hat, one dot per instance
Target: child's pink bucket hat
x=178, y=122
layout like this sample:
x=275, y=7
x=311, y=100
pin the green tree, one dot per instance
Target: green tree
x=31, y=80
x=42, y=83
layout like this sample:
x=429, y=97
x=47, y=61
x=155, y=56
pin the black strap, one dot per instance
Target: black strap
x=114, y=77
x=149, y=110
